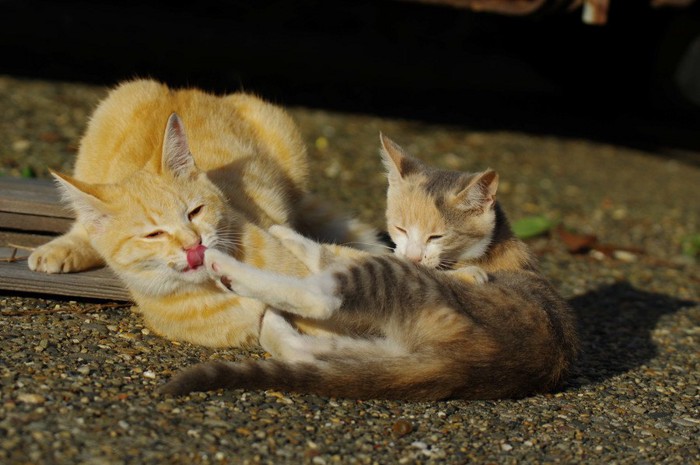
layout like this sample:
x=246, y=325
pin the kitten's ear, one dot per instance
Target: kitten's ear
x=396, y=160
x=480, y=193
x=86, y=199
x=177, y=158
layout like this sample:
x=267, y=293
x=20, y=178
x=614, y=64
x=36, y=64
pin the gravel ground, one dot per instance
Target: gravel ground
x=78, y=378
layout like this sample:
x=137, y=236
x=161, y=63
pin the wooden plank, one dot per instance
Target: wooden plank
x=34, y=205
x=23, y=239
x=31, y=196
x=96, y=284
x=24, y=222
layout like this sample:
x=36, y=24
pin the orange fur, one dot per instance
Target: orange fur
x=145, y=194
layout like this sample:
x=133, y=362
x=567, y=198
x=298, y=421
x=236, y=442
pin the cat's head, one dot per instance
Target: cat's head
x=146, y=225
x=437, y=217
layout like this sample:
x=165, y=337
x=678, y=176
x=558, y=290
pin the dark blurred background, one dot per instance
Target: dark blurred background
x=634, y=81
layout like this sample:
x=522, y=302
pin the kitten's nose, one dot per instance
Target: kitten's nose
x=414, y=258
x=414, y=254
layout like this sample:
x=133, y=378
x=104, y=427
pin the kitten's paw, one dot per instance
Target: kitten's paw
x=306, y=250
x=472, y=274
x=222, y=268
x=63, y=255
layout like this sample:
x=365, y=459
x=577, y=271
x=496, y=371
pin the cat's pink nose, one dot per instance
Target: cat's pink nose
x=414, y=255
x=414, y=252
x=414, y=258
x=195, y=256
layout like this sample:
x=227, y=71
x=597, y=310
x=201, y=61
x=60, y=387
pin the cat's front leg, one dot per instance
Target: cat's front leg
x=315, y=256
x=68, y=253
x=309, y=252
x=471, y=274
x=311, y=297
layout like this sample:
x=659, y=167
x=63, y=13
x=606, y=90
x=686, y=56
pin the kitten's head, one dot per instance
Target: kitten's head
x=437, y=217
x=149, y=227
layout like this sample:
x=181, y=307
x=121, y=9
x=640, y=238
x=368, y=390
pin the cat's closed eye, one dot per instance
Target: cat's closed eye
x=194, y=212
x=435, y=237
x=401, y=230
x=154, y=234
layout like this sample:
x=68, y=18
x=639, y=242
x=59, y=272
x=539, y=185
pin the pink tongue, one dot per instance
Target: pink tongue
x=195, y=256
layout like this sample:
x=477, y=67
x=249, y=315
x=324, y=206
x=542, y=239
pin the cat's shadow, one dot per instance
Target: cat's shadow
x=615, y=325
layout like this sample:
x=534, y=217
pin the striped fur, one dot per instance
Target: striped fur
x=400, y=329
x=144, y=193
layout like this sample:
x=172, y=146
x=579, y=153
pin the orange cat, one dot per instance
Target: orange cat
x=149, y=200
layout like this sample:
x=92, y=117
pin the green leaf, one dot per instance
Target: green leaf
x=27, y=172
x=690, y=245
x=532, y=226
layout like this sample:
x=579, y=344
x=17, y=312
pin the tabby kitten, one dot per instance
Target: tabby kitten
x=149, y=206
x=460, y=311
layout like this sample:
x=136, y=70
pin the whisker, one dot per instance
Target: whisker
x=371, y=244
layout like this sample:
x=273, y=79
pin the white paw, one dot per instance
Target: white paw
x=323, y=300
x=224, y=270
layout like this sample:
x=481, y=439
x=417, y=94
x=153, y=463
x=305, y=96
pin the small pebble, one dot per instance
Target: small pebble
x=31, y=398
x=21, y=145
x=401, y=428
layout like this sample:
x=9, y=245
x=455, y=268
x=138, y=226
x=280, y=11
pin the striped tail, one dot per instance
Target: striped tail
x=369, y=380
x=401, y=377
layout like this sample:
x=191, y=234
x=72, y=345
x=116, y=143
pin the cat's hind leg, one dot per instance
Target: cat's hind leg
x=283, y=341
x=66, y=254
x=312, y=297
x=279, y=338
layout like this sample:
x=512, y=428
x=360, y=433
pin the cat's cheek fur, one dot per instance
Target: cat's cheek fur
x=401, y=242
x=476, y=250
x=432, y=256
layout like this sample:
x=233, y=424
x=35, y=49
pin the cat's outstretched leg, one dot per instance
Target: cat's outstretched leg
x=66, y=254
x=315, y=256
x=311, y=297
x=309, y=252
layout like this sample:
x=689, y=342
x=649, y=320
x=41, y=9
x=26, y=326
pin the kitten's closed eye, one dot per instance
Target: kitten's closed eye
x=154, y=234
x=194, y=212
x=435, y=237
x=401, y=230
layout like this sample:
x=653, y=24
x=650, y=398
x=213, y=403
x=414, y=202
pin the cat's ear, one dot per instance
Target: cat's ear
x=480, y=193
x=397, y=161
x=177, y=158
x=86, y=199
